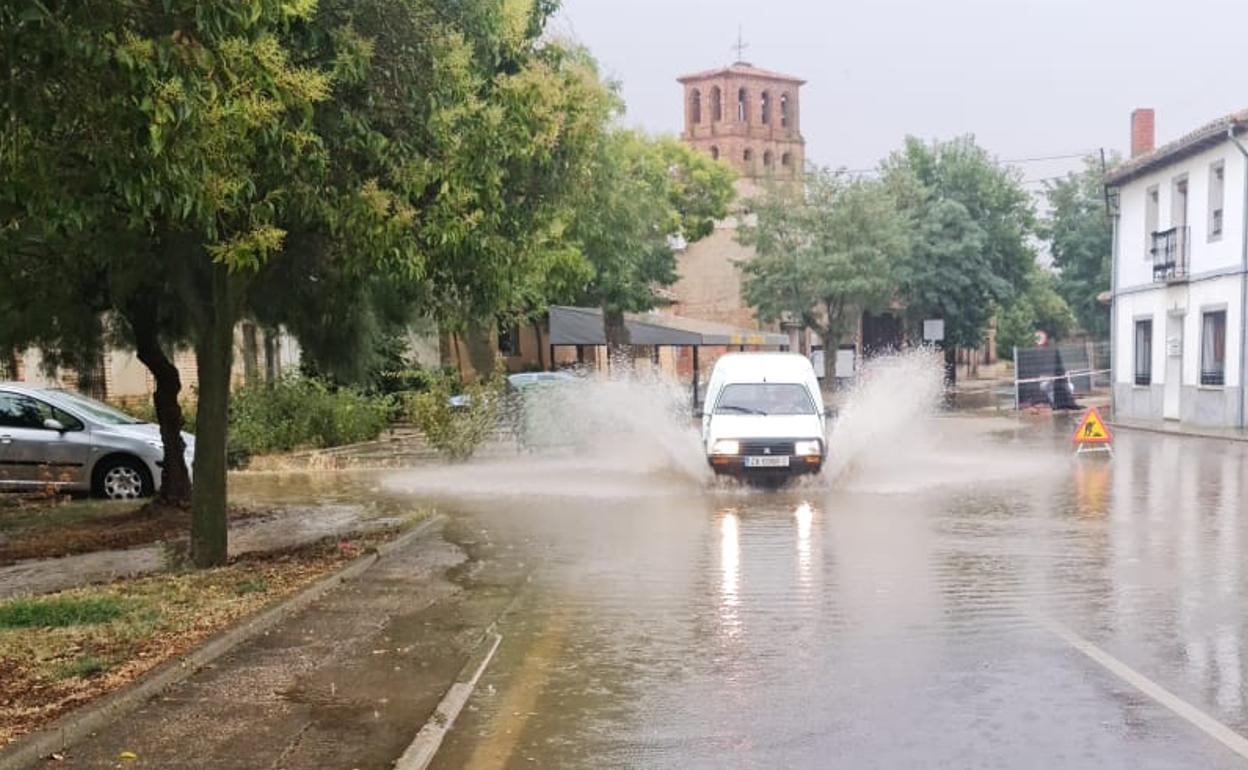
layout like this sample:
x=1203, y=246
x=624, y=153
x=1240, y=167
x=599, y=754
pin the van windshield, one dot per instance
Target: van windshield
x=765, y=398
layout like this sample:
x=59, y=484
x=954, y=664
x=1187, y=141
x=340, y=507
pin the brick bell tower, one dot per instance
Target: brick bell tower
x=747, y=117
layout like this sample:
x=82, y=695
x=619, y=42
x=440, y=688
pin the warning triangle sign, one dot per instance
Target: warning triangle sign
x=1092, y=429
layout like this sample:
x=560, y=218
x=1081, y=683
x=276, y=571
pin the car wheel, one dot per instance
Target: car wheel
x=122, y=478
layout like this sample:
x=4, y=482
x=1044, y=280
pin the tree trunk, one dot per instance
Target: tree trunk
x=175, y=484
x=214, y=352
x=830, y=345
x=619, y=343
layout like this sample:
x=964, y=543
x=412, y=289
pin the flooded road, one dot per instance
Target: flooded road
x=990, y=602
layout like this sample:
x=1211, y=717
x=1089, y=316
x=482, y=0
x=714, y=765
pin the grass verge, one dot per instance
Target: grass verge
x=121, y=630
x=60, y=612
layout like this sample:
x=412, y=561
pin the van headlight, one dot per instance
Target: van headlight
x=808, y=448
x=726, y=447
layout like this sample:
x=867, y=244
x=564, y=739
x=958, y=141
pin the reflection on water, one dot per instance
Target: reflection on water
x=730, y=571
x=804, y=515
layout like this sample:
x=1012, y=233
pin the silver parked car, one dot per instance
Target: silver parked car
x=58, y=438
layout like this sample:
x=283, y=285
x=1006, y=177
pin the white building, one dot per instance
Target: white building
x=1181, y=275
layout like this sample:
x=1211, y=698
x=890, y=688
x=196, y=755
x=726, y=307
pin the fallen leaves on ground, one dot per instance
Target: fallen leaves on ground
x=49, y=671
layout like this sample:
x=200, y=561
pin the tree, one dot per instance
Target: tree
x=1079, y=235
x=1039, y=308
x=972, y=221
x=642, y=197
x=184, y=150
x=825, y=254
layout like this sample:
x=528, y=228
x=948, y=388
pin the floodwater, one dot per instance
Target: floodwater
x=961, y=593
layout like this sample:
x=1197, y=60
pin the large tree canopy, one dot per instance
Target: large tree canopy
x=971, y=222
x=642, y=197
x=203, y=161
x=1079, y=236
x=826, y=252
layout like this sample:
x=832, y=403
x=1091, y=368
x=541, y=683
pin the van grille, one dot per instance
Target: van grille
x=766, y=447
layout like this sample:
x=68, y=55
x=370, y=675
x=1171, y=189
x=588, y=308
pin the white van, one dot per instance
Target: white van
x=763, y=416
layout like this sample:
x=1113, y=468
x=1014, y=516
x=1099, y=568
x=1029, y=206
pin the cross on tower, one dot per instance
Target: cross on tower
x=740, y=46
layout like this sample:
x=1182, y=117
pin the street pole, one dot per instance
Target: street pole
x=695, y=378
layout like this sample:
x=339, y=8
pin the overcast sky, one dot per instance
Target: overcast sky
x=1028, y=77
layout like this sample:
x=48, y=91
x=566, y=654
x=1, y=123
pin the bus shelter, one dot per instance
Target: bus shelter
x=580, y=326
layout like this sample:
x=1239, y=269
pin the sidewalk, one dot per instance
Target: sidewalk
x=1174, y=428
x=346, y=683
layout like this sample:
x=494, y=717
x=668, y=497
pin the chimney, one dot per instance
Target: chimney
x=1143, y=132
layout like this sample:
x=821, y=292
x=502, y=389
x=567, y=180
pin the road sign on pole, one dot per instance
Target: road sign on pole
x=934, y=330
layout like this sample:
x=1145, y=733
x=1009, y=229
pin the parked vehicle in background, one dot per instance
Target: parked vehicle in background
x=533, y=408
x=56, y=438
x=764, y=416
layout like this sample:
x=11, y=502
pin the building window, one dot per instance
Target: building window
x=695, y=106
x=784, y=110
x=743, y=106
x=786, y=160
x=1213, y=348
x=717, y=105
x=1144, y=352
x=766, y=108
x=714, y=152
x=767, y=159
x=1217, y=192
x=1151, y=208
x=748, y=155
x=1178, y=204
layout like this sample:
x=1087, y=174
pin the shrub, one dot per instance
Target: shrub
x=145, y=409
x=457, y=431
x=297, y=412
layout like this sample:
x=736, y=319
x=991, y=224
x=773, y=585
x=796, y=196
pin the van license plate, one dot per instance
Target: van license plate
x=767, y=462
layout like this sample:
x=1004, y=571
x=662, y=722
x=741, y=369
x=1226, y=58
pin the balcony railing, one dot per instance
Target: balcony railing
x=1171, y=253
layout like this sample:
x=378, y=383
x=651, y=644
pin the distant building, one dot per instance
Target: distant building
x=750, y=119
x=1180, y=272
x=260, y=355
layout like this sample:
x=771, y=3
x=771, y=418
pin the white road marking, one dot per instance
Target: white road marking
x=1202, y=721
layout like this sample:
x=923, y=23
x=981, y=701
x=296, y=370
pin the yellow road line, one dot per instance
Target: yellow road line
x=519, y=699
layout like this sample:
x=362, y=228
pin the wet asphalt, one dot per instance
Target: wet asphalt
x=985, y=601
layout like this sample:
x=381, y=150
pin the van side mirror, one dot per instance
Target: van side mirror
x=55, y=425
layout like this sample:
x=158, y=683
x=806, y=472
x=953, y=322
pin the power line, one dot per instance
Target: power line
x=1004, y=162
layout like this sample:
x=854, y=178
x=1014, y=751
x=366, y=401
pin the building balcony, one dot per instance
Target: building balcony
x=1171, y=253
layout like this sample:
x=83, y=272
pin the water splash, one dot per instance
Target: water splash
x=623, y=434
x=889, y=409
x=892, y=435
x=637, y=419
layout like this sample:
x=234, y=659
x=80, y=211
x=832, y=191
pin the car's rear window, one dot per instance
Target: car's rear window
x=765, y=398
x=100, y=412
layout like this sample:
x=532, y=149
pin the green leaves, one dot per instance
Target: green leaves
x=642, y=196
x=825, y=252
x=1078, y=232
x=971, y=222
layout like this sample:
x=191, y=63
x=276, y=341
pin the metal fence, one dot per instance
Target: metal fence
x=1040, y=373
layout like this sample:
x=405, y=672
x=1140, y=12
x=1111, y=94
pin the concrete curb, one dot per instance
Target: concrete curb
x=78, y=724
x=423, y=748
